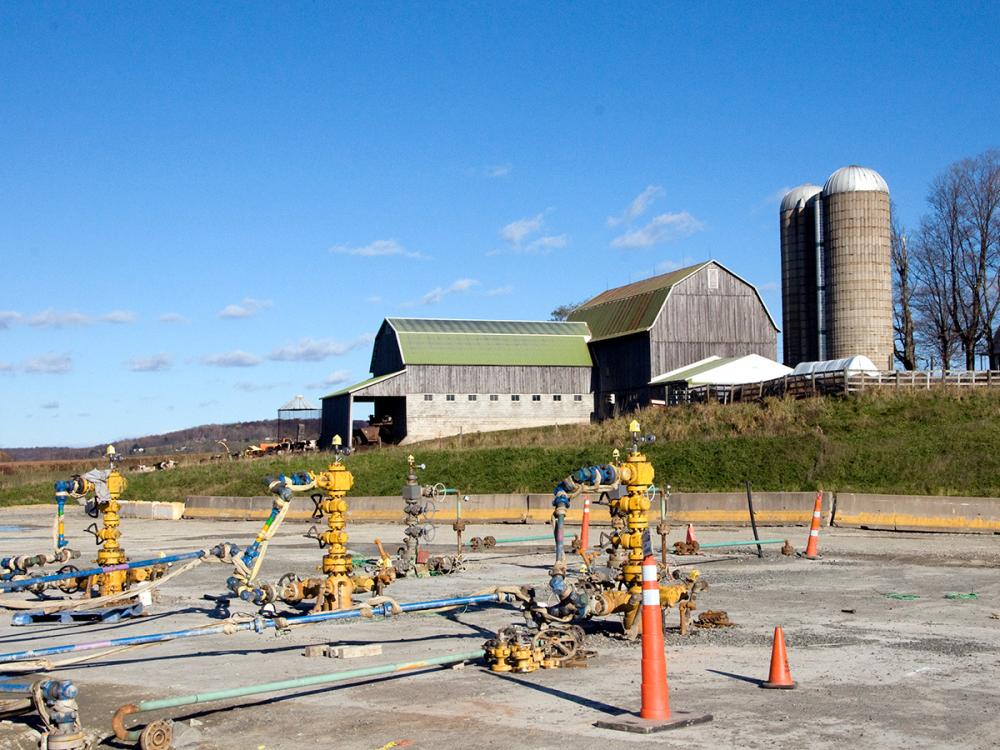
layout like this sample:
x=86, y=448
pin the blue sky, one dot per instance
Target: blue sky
x=206, y=210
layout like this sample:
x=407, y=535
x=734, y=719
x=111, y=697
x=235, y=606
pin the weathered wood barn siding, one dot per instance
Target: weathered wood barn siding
x=698, y=321
x=496, y=379
x=622, y=367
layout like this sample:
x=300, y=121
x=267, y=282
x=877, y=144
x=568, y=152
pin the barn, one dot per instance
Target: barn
x=435, y=377
x=642, y=330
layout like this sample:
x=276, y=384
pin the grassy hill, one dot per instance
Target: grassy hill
x=933, y=442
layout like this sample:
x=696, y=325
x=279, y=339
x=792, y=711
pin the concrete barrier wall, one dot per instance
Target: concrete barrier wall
x=918, y=513
x=156, y=511
x=730, y=508
x=716, y=508
x=893, y=512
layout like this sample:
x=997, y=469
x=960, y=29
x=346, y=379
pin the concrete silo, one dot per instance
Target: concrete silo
x=799, y=286
x=856, y=257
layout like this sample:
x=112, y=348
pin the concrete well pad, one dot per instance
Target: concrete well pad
x=873, y=671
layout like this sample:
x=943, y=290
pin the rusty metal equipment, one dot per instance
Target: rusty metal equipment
x=335, y=589
x=106, y=588
x=616, y=587
x=420, y=503
x=520, y=648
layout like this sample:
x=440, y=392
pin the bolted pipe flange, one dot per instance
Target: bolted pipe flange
x=157, y=736
x=57, y=740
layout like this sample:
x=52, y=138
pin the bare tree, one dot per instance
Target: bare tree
x=981, y=214
x=905, y=345
x=933, y=329
x=955, y=262
x=562, y=312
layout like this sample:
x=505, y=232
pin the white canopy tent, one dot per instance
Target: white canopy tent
x=858, y=363
x=750, y=368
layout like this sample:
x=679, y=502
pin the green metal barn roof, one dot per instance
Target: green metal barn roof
x=492, y=342
x=364, y=384
x=630, y=308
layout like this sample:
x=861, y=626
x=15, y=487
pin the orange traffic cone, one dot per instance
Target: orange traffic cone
x=781, y=676
x=690, y=534
x=585, y=529
x=812, y=548
x=655, y=714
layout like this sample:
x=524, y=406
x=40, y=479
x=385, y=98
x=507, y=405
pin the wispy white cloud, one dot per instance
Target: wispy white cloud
x=337, y=377
x=662, y=228
x=55, y=319
x=316, y=350
x=172, y=317
x=499, y=291
x=373, y=300
x=50, y=405
x=120, y=317
x=517, y=231
x=49, y=364
x=435, y=295
x=526, y=236
x=236, y=358
x=768, y=286
x=8, y=318
x=153, y=363
x=637, y=207
x=378, y=248
x=498, y=170
x=6, y=367
x=548, y=242
x=245, y=309
x=672, y=265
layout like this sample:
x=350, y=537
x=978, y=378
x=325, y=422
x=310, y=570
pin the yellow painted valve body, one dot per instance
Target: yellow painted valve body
x=337, y=589
x=637, y=474
x=111, y=552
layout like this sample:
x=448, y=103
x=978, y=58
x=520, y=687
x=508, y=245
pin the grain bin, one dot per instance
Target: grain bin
x=799, y=306
x=857, y=265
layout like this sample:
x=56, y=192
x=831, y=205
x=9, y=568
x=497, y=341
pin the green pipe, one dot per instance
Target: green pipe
x=118, y=722
x=712, y=545
x=518, y=539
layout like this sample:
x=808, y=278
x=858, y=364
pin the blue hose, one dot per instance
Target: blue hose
x=259, y=624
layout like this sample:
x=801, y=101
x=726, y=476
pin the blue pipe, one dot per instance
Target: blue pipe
x=217, y=551
x=53, y=690
x=259, y=624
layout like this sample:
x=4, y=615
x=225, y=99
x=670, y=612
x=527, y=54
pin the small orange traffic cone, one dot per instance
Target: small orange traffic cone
x=690, y=534
x=812, y=547
x=780, y=677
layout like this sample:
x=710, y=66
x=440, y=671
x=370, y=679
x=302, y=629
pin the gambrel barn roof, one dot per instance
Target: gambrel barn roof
x=491, y=342
x=634, y=307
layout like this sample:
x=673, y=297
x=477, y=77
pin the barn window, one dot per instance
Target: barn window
x=536, y=397
x=577, y=397
x=515, y=397
x=494, y=397
x=450, y=397
x=712, y=276
x=428, y=397
x=472, y=397
x=557, y=397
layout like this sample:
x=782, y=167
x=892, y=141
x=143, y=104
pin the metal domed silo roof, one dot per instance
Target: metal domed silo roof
x=855, y=179
x=797, y=197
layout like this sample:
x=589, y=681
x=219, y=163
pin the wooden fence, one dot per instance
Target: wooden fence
x=834, y=383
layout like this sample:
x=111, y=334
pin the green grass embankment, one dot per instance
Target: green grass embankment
x=935, y=442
